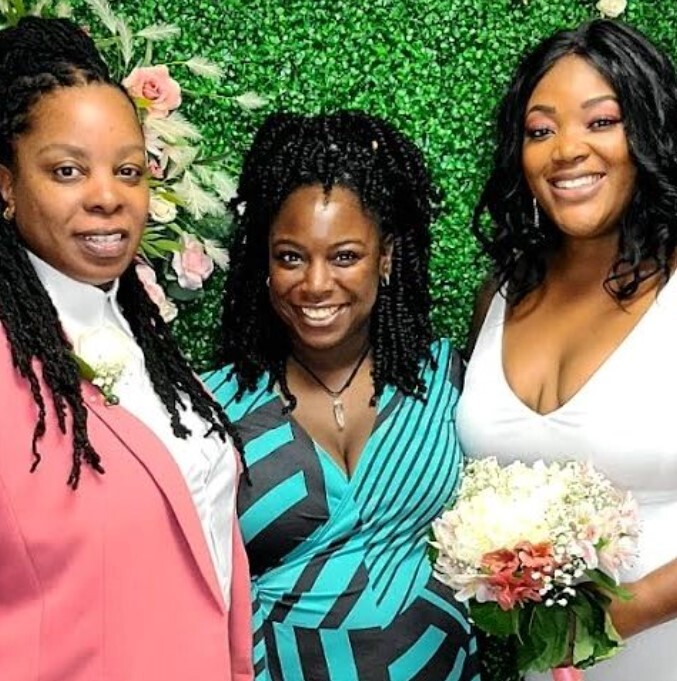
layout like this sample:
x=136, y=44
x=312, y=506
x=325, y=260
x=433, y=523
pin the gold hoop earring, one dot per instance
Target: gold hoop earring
x=8, y=213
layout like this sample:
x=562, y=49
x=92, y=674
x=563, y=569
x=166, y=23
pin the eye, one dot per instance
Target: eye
x=345, y=258
x=67, y=172
x=132, y=172
x=537, y=133
x=288, y=258
x=604, y=122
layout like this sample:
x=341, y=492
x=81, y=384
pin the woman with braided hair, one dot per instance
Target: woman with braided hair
x=345, y=405
x=119, y=554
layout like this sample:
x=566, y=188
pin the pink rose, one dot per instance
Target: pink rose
x=146, y=274
x=192, y=265
x=153, y=83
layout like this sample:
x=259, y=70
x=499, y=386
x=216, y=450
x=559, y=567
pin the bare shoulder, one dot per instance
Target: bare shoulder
x=483, y=297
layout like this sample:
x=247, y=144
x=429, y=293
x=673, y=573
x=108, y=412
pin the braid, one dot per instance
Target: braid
x=36, y=57
x=168, y=369
x=388, y=175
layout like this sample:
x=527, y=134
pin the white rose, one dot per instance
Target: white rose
x=161, y=210
x=612, y=8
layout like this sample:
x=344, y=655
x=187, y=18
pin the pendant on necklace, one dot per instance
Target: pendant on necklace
x=339, y=413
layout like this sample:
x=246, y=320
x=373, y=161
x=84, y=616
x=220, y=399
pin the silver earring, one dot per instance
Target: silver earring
x=385, y=279
x=268, y=282
x=8, y=213
x=537, y=217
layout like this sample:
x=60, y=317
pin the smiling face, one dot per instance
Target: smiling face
x=77, y=183
x=575, y=155
x=325, y=259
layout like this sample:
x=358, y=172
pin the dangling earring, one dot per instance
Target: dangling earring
x=268, y=282
x=8, y=213
x=385, y=277
x=537, y=217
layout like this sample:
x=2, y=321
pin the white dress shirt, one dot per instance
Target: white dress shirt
x=87, y=314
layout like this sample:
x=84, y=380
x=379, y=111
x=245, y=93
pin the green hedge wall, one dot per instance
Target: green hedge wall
x=435, y=68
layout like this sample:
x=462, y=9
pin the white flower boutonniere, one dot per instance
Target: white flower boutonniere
x=102, y=355
x=612, y=8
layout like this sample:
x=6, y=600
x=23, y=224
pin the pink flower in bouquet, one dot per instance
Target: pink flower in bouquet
x=192, y=265
x=535, y=556
x=510, y=583
x=146, y=274
x=154, y=84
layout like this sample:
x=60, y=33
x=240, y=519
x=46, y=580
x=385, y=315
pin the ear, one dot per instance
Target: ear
x=7, y=186
x=386, y=258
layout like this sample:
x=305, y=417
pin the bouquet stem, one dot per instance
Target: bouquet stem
x=567, y=674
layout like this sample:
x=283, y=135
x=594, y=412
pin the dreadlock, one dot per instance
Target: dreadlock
x=38, y=56
x=387, y=173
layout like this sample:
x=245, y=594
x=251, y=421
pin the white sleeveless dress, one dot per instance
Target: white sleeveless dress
x=623, y=420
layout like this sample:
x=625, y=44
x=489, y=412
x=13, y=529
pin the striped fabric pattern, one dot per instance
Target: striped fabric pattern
x=343, y=589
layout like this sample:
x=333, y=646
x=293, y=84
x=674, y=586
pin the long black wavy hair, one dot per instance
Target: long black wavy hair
x=645, y=83
x=37, y=57
x=387, y=173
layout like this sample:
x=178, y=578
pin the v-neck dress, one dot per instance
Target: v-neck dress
x=624, y=421
x=343, y=587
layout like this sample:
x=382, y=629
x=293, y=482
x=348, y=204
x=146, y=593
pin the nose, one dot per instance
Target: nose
x=570, y=147
x=104, y=194
x=318, y=279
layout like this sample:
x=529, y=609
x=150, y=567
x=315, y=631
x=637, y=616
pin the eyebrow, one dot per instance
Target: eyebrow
x=586, y=104
x=80, y=153
x=290, y=242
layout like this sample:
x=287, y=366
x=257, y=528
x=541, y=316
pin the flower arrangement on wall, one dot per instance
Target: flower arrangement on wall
x=189, y=191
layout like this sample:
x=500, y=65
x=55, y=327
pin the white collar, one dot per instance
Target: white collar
x=75, y=301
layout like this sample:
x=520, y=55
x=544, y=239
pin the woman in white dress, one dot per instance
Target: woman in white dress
x=576, y=350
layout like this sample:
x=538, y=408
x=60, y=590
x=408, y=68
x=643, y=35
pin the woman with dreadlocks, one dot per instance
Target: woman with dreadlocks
x=113, y=560
x=345, y=405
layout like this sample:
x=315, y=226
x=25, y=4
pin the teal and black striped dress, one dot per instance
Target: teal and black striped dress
x=342, y=584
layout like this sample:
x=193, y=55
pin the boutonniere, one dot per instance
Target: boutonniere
x=101, y=356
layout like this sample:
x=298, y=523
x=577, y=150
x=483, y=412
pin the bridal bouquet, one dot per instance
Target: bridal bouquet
x=536, y=551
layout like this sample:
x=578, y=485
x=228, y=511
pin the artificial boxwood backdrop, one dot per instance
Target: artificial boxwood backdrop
x=435, y=68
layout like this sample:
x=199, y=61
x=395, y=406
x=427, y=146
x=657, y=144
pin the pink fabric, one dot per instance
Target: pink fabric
x=567, y=674
x=113, y=581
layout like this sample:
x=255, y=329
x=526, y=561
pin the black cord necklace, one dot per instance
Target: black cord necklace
x=339, y=410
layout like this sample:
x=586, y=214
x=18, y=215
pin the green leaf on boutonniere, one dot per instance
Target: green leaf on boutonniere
x=84, y=369
x=183, y=294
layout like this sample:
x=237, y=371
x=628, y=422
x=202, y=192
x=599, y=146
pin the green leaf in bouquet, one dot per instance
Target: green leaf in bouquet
x=607, y=584
x=545, y=640
x=490, y=618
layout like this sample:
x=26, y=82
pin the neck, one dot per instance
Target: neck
x=585, y=263
x=330, y=360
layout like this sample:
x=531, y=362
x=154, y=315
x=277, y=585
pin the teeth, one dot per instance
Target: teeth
x=320, y=313
x=575, y=183
x=104, y=238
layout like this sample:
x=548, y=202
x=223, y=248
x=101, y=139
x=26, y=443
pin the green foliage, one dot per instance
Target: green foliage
x=435, y=68
x=579, y=634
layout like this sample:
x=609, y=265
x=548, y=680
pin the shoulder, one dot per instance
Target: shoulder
x=485, y=294
x=224, y=386
x=448, y=363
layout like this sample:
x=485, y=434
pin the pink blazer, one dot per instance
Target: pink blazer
x=113, y=581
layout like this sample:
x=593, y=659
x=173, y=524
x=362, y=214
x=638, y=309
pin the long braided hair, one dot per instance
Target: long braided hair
x=37, y=57
x=387, y=173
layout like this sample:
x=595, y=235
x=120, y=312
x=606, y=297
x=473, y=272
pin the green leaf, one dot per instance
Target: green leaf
x=606, y=583
x=490, y=618
x=183, y=294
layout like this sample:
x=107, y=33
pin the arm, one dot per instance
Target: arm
x=654, y=601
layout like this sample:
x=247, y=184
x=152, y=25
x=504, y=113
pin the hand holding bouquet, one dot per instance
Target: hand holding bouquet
x=536, y=551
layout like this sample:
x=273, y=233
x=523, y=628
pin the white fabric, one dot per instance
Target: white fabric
x=207, y=464
x=623, y=420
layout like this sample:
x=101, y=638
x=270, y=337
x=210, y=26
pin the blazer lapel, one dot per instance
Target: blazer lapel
x=153, y=455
